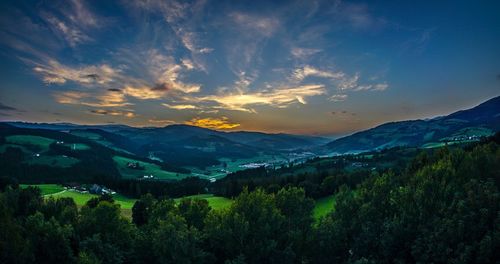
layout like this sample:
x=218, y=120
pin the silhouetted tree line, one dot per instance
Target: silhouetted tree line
x=444, y=207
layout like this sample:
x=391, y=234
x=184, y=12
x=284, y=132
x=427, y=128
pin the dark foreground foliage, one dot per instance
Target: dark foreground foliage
x=444, y=208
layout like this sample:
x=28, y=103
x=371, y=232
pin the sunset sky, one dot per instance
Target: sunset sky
x=304, y=67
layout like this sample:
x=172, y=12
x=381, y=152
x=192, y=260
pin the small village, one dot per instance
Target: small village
x=88, y=188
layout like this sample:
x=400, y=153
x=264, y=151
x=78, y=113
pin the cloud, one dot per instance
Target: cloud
x=162, y=121
x=73, y=22
x=143, y=92
x=180, y=106
x=82, y=15
x=303, y=53
x=167, y=73
x=113, y=113
x=301, y=73
x=55, y=73
x=355, y=16
x=185, y=20
x=212, y=123
x=259, y=24
x=338, y=97
x=70, y=97
x=107, y=99
x=6, y=108
x=418, y=44
x=70, y=33
x=280, y=98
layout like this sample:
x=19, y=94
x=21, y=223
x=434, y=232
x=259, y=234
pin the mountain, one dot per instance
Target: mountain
x=470, y=124
x=184, y=145
x=38, y=155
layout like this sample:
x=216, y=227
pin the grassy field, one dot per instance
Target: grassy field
x=46, y=189
x=215, y=202
x=82, y=198
x=77, y=146
x=40, y=142
x=323, y=206
x=97, y=138
x=37, y=148
x=56, y=161
x=149, y=169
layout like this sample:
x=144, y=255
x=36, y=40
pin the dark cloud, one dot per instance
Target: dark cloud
x=498, y=76
x=93, y=76
x=161, y=87
x=114, y=90
x=344, y=112
x=7, y=108
x=99, y=112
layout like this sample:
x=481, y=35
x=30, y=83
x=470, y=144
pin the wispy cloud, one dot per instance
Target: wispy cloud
x=303, y=53
x=180, y=106
x=338, y=97
x=108, y=99
x=56, y=73
x=258, y=24
x=212, y=123
x=113, y=113
x=6, y=108
x=162, y=121
x=73, y=22
x=355, y=15
x=72, y=34
x=301, y=73
x=280, y=98
x=418, y=44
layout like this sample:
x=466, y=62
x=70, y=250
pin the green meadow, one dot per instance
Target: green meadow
x=322, y=206
x=149, y=169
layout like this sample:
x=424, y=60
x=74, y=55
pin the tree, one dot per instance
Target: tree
x=105, y=232
x=194, y=211
x=252, y=228
x=48, y=240
x=142, y=209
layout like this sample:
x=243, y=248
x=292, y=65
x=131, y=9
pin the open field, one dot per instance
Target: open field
x=40, y=142
x=77, y=146
x=323, y=206
x=46, y=189
x=215, y=202
x=96, y=138
x=37, y=148
x=149, y=169
x=56, y=161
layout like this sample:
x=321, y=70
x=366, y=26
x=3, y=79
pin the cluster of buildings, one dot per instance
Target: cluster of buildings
x=85, y=188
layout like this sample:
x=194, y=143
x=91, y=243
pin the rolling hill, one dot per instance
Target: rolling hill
x=470, y=124
x=184, y=145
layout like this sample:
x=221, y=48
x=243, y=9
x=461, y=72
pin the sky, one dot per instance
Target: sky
x=325, y=68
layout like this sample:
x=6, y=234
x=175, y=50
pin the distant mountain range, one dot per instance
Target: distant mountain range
x=184, y=145
x=470, y=124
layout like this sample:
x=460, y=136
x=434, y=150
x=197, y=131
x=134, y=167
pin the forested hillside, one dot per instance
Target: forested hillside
x=443, y=207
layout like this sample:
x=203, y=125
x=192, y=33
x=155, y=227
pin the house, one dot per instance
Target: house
x=96, y=189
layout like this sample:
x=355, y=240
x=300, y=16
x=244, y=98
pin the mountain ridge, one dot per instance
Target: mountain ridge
x=481, y=118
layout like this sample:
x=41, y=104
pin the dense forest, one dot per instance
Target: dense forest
x=444, y=207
